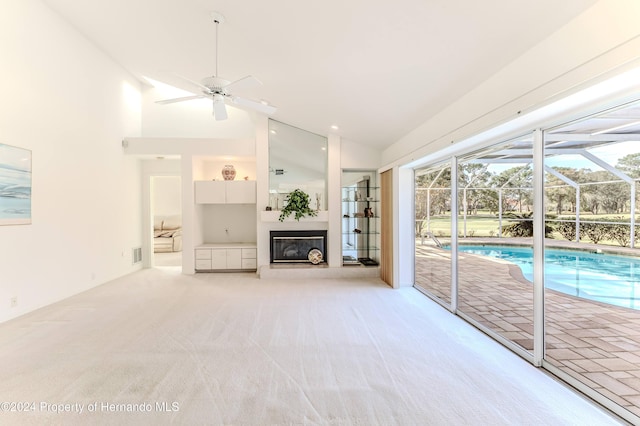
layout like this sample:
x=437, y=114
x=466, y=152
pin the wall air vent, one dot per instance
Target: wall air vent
x=136, y=255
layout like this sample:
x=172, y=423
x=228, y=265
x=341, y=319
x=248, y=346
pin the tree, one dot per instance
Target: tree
x=558, y=192
x=630, y=165
x=610, y=197
x=470, y=176
x=435, y=186
x=518, y=188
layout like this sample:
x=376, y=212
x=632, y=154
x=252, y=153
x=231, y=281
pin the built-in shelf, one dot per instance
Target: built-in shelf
x=273, y=216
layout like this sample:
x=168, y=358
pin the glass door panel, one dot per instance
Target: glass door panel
x=495, y=245
x=433, y=232
x=592, y=279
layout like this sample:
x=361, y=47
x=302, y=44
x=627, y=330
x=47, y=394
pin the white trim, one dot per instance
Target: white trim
x=454, y=234
x=614, y=91
x=538, y=248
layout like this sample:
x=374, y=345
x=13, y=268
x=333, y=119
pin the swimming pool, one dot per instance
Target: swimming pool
x=602, y=277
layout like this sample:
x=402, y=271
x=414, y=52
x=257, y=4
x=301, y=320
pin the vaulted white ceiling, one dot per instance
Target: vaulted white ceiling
x=376, y=69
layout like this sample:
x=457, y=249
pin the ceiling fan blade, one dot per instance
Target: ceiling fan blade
x=255, y=105
x=195, y=83
x=219, y=109
x=245, y=83
x=184, y=98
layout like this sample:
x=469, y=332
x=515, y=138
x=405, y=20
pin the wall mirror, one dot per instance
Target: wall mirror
x=297, y=159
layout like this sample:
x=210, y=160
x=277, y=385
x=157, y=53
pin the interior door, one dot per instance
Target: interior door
x=386, y=227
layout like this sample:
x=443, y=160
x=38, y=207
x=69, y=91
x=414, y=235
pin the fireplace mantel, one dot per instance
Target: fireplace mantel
x=273, y=216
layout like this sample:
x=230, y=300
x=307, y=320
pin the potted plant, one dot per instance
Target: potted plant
x=298, y=202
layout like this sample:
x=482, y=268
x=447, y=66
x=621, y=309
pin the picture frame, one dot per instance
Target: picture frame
x=15, y=185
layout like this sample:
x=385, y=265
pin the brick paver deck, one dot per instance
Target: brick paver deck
x=596, y=343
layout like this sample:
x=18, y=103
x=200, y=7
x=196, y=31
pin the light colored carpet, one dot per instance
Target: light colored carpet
x=167, y=259
x=231, y=349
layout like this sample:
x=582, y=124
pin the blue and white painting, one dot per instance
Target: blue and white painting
x=15, y=185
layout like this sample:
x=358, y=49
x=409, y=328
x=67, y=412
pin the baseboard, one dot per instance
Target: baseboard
x=282, y=271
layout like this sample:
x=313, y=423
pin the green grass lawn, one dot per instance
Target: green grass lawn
x=477, y=225
x=486, y=225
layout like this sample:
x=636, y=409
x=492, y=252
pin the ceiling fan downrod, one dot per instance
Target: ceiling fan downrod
x=218, y=18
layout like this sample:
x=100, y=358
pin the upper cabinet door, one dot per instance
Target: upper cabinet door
x=241, y=192
x=210, y=192
x=225, y=192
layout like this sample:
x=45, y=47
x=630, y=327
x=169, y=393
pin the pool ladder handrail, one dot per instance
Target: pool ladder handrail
x=433, y=237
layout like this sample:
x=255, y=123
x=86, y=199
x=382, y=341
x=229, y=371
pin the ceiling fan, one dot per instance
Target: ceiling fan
x=220, y=90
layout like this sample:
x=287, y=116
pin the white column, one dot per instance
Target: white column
x=428, y=209
x=334, y=202
x=191, y=219
x=578, y=214
x=454, y=234
x=404, y=232
x=464, y=210
x=538, y=248
x=262, y=188
x=633, y=214
x=500, y=213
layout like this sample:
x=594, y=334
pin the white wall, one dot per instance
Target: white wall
x=213, y=169
x=229, y=223
x=166, y=195
x=357, y=156
x=602, y=41
x=71, y=106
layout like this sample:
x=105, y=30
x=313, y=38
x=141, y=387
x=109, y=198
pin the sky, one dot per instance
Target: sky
x=610, y=154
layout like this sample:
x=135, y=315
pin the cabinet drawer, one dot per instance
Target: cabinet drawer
x=249, y=264
x=249, y=253
x=234, y=257
x=203, y=264
x=203, y=254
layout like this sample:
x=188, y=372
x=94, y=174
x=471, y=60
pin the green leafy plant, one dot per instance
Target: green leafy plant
x=296, y=202
x=567, y=230
x=596, y=232
x=621, y=232
x=522, y=225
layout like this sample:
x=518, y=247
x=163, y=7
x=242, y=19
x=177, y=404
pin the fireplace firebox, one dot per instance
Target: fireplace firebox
x=298, y=246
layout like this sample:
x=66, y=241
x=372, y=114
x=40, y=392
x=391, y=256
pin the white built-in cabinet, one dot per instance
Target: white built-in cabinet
x=225, y=192
x=221, y=257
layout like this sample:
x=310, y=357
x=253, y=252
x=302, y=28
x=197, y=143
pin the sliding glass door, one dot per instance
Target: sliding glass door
x=433, y=232
x=495, y=246
x=592, y=268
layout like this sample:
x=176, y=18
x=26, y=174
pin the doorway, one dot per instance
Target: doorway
x=166, y=219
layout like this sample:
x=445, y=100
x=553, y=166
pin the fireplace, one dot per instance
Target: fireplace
x=298, y=246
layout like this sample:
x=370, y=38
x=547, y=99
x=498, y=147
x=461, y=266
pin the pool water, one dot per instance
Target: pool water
x=601, y=277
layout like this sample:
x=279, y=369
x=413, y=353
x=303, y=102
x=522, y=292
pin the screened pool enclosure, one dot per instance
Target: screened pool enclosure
x=572, y=186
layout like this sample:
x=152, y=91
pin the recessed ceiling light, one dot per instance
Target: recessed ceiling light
x=324, y=148
x=334, y=127
x=273, y=132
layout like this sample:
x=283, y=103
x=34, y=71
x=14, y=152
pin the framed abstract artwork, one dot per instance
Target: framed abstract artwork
x=15, y=185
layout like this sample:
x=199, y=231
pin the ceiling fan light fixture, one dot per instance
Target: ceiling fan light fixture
x=220, y=90
x=219, y=109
